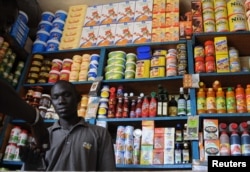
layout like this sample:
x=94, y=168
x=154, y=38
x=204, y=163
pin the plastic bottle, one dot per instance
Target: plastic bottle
x=240, y=99
x=230, y=100
x=145, y=107
x=224, y=144
x=188, y=103
x=172, y=107
x=222, y=127
x=216, y=85
x=118, y=113
x=210, y=101
x=138, y=106
x=153, y=105
x=132, y=106
x=233, y=127
x=220, y=101
x=181, y=103
x=186, y=153
x=203, y=85
x=201, y=101
x=177, y=153
x=235, y=144
x=160, y=97
x=245, y=144
x=248, y=97
x=125, y=107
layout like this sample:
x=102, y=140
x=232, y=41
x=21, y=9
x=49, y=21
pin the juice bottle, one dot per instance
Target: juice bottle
x=230, y=100
x=210, y=101
x=201, y=101
x=216, y=85
x=248, y=97
x=220, y=101
x=240, y=99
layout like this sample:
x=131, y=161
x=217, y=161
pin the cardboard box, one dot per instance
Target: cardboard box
x=169, y=156
x=93, y=15
x=158, y=156
x=142, y=32
x=106, y=35
x=109, y=14
x=146, y=157
x=222, y=63
x=89, y=36
x=126, y=12
x=143, y=10
x=211, y=148
x=124, y=33
x=210, y=129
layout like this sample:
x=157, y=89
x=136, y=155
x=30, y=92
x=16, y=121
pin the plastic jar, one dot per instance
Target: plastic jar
x=23, y=138
x=53, y=76
x=14, y=134
x=45, y=100
x=64, y=75
x=66, y=64
x=210, y=64
x=209, y=48
x=56, y=64
x=199, y=65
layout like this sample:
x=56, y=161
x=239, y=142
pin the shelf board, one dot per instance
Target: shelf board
x=168, y=118
x=164, y=166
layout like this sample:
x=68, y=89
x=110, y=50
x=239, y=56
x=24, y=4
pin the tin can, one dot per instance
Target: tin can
x=23, y=138
x=198, y=51
x=220, y=12
x=209, y=25
x=158, y=71
x=235, y=7
x=222, y=25
x=237, y=22
x=208, y=14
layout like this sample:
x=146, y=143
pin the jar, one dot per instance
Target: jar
x=23, y=138
x=14, y=134
x=199, y=65
x=209, y=48
x=66, y=65
x=10, y=152
x=64, y=75
x=210, y=64
x=37, y=94
x=45, y=100
x=53, y=76
x=56, y=64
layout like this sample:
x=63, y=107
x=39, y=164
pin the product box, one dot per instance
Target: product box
x=169, y=137
x=89, y=36
x=106, y=35
x=158, y=34
x=124, y=33
x=158, y=156
x=222, y=63
x=197, y=24
x=172, y=33
x=186, y=30
x=146, y=157
x=93, y=15
x=159, y=6
x=126, y=12
x=196, y=6
x=169, y=156
x=210, y=129
x=220, y=44
x=211, y=148
x=109, y=14
x=172, y=6
x=142, y=32
x=143, y=10
x=158, y=20
x=159, y=138
x=172, y=19
x=147, y=135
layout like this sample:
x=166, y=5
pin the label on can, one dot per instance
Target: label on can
x=237, y=22
x=209, y=25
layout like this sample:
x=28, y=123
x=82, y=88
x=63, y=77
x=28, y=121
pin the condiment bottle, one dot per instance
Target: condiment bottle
x=181, y=103
x=230, y=100
x=248, y=97
x=138, y=106
x=165, y=103
x=125, y=107
x=119, y=106
x=145, y=107
x=153, y=105
x=240, y=99
x=224, y=144
x=185, y=153
x=210, y=101
x=245, y=144
x=220, y=101
x=235, y=144
x=216, y=85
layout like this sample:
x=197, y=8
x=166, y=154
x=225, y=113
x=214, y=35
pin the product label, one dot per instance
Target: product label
x=182, y=106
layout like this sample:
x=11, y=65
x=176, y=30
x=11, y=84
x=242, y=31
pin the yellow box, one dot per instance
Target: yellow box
x=222, y=63
x=159, y=20
x=172, y=5
x=220, y=44
x=158, y=34
x=148, y=123
x=159, y=6
x=158, y=71
x=77, y=8
x=142, y=69
x=172, y=19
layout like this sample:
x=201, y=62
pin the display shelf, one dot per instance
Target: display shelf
x=154, y=167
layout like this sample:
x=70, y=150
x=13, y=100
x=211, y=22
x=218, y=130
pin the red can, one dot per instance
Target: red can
x=199, y=65
x=210, y=64
x=209, y=48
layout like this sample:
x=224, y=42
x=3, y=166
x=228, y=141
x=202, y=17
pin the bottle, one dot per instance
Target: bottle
x=132, y=106
x=220, y=101
x=138, y=106
x=203, y=85
x=153, y=105
x=234, y=62
x=240, y=99
x=201, y=101
x=248, y=97
x=235, y=144
x=233, y=127
x=216, y=85
x=185, y=153
x=188, y=103
x=125, y=107
x=210, y=101
x=230, y=100
x=224, y=144
x=178, y=133
x=118, y=113
x=222, y=127
x=160, y=98
x=184, y=132
x=165, y=103
x=243, y=127
x=181, y=103
x=145, y=107
x=245, y=144
x=177, y=153
x=172, y=107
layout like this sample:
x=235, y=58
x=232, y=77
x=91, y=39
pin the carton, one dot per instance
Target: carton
x=159, y=6
x=93, y=15
x=126, y=12
x=172, y=6
x=142, y=32
x=143, y=10
x=146, y=157
x=210, y=129
x=158, y=156
x=89, y=36
x=169, y=156
x=222, y=63
x=124, y=33
x=106, y=35
x=211, y=148
x=109, y=14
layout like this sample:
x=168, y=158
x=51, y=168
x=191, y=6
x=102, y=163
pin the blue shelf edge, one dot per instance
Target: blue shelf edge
x=169, y=118
x=164, y=166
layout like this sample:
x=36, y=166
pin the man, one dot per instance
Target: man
x=74, y=144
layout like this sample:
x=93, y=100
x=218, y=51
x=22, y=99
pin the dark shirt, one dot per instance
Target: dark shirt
x=85, y=147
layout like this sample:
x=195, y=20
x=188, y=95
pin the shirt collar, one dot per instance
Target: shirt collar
x=82, y=122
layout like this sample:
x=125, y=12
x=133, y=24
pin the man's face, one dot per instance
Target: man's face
x=64, y=100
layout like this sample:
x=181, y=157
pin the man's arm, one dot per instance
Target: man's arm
x=13, y=105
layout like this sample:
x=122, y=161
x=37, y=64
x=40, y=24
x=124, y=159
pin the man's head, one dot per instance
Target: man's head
x=65, y=99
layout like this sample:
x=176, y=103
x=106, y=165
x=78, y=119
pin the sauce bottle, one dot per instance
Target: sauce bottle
x=248, y=97
x=153, y=105
x=230, y=100
x=118, y=113
x=220, y=101
x=125, y=107
x=235, y=144
x=210, y=101
x=145, y=107
x=240, y=99
x=172, y=107
x=132, y=106
x=245, y=144
x=165, y=103
x=181, y=103
x=139, y=106
x=224, y=144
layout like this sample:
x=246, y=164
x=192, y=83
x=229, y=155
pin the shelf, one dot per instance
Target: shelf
x=15, y=163
x=147, y=167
